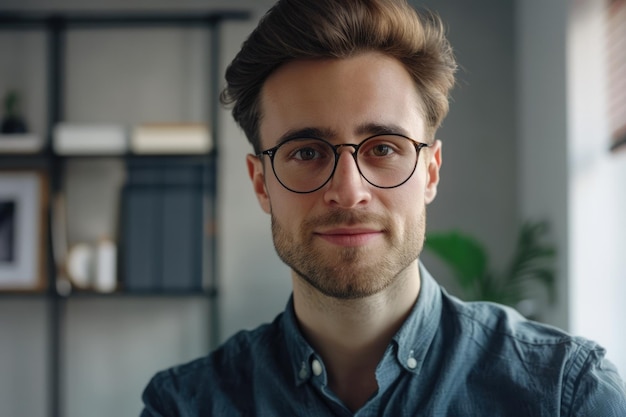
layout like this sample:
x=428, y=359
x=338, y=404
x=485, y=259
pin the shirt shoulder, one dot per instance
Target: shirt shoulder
x=219, y=379
x=540, y=357
x=491, y=320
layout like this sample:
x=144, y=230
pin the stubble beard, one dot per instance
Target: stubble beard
x=349, y=272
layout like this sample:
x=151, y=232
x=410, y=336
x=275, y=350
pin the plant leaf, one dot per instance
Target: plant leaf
x=463, y=254
x=532, y=260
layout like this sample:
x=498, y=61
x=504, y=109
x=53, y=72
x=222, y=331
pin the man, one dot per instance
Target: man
x=341, y=100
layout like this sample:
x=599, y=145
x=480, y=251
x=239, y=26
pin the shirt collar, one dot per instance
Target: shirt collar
x=300, y=352
x=411, y=342
x=414, y=338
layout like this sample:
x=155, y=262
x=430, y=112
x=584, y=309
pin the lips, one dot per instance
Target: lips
x=349, y=236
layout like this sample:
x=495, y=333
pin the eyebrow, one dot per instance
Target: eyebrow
x=371, y=129
x=364, y=130
x=307, y=132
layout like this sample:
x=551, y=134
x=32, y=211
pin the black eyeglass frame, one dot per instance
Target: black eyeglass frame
x=271, y=152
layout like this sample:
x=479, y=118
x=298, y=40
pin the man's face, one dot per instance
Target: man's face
x=348, y=239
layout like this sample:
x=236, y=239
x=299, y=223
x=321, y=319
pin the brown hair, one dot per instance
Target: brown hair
x=301, y=29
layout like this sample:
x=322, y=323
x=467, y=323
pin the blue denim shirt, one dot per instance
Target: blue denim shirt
x=450, y=358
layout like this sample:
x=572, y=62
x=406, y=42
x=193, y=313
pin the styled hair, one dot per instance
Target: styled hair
x=309, y=29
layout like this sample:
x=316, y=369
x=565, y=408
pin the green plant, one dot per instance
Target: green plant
x=467, y=258
x=11, y=101
x=12, y=121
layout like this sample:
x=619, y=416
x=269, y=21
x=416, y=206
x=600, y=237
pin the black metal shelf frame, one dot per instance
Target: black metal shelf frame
x=55, y=25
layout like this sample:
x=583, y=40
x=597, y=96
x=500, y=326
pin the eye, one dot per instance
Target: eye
x=381, y=149
x=306, y=154
x=304, y=150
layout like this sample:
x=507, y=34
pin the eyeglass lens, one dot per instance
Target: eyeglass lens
x=305, y=165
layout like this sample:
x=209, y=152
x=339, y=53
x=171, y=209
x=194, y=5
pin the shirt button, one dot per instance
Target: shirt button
x=411, y=363
x=316, y=366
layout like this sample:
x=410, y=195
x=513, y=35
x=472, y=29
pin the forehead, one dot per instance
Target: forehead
x=340, y=96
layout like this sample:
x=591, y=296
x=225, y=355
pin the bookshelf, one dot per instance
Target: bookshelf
x=166, y=185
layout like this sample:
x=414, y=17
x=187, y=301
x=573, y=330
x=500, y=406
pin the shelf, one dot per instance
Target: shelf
x=76, y=293
x=153, y=185
x=209, y=293
x=22, y=143
x=24, y=294
x=116, y=19
x=128, y=156
x=15, y=159
x=21, y=161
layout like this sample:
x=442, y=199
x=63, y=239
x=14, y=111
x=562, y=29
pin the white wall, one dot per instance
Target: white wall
x=597, y=192
x=567, y=172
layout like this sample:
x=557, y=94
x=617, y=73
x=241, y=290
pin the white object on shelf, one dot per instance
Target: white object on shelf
x=89, y=139
x=106, y=263
x=80, y=265
x=93, y=266
x=163, y=138
x=20, y=143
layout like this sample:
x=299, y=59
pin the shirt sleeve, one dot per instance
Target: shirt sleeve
x=595, y=388
x=153, y=400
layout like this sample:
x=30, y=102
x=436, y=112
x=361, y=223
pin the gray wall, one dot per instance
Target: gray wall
x=478, y=190
x=541, y=48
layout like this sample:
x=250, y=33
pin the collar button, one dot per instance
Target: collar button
x=316, y=367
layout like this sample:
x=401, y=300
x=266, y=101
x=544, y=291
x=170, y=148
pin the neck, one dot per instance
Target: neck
x=351, y=336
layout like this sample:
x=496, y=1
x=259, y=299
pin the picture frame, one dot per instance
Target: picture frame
x=23, y=201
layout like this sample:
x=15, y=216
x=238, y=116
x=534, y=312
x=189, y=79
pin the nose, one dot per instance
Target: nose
x=347, y=188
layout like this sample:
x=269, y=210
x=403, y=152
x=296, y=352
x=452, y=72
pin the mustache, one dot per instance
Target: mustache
x=339, y=217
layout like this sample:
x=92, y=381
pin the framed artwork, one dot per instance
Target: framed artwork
x=23, y=199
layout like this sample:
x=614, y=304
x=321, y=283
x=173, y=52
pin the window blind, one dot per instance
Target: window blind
x=616, y=60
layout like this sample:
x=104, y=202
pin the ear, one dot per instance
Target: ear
x=257, y=176
x=433, y=164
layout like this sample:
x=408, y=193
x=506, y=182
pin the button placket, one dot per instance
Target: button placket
x=411, y=361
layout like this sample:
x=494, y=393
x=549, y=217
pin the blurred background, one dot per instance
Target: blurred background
x=533, y=134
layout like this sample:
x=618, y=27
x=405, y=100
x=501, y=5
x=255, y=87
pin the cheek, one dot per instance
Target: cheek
x=407, y=203
x=290, y=209
x=411, y=194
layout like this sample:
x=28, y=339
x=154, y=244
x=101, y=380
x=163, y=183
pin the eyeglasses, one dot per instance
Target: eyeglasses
x=304, y=165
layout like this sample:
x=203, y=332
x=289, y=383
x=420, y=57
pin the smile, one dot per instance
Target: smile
x=349, y=236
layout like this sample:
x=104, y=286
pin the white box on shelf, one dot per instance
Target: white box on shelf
x=90, y=139
x=20, y=143
x=177, y=138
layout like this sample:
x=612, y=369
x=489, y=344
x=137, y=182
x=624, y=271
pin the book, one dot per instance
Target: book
x=141, y=260
x=162, y=226
x=164, y=138
x=89, y=139
x=181, y=242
